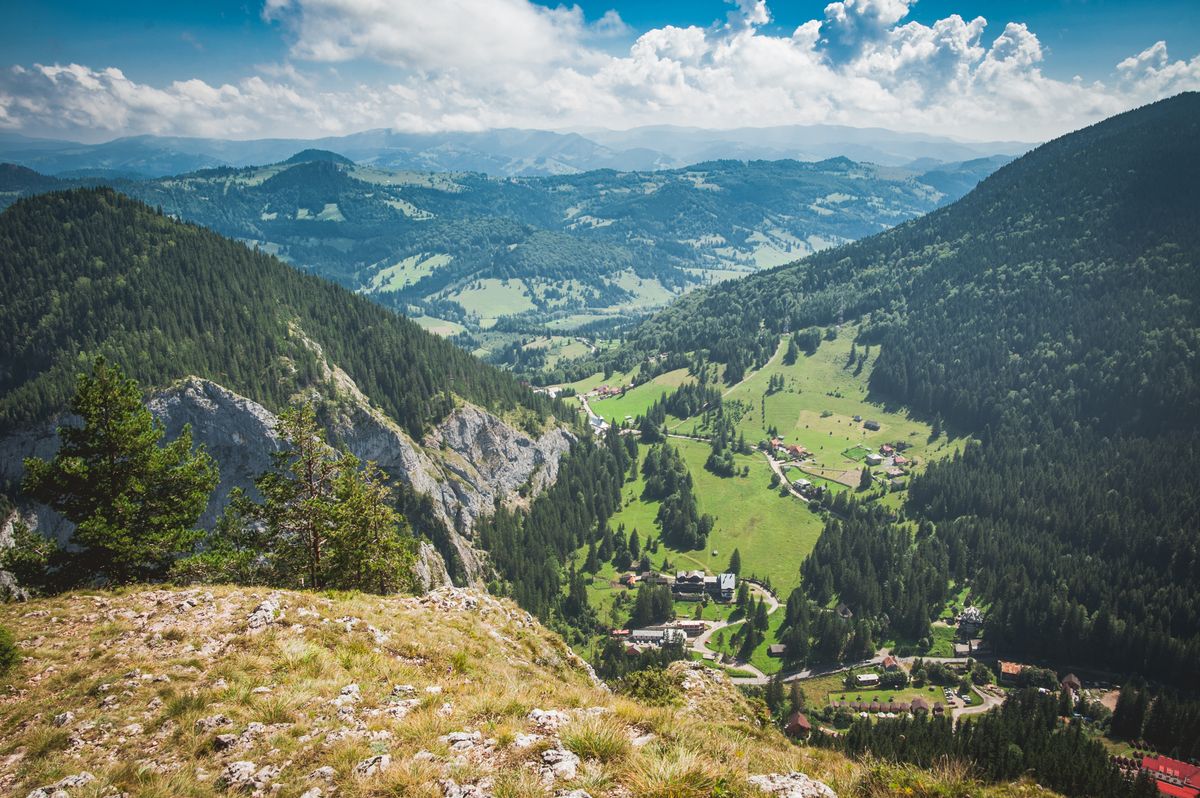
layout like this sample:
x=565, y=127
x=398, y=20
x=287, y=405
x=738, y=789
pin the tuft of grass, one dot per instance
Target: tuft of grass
x=43, y=742
x=277, y=709
x=520, y=783
x=677, y=773
x=946, y=778
x=186, y=703
x=597, y=737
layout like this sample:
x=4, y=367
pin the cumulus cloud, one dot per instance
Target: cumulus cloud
x=474, y=64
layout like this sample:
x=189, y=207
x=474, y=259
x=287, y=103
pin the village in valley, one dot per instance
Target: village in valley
x=817, y=435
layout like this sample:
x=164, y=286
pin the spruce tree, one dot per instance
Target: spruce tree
x=133, y=499
x=299, y=507
x=735, y=562
x=371, y=547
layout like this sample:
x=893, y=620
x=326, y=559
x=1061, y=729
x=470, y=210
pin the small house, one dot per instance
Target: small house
x=797, y=725
x=872, y=425
x=1071, y=682
x=776, y=650
x=1009, y=671
x=900, y=460
x=890, y=663
x=867, y=679
x=874, y=459
x=887, y=449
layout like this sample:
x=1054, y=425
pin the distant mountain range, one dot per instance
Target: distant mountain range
x=466, y=249
x=505, y=152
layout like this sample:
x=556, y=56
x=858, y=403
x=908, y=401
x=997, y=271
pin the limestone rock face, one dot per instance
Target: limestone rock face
x=467, y=463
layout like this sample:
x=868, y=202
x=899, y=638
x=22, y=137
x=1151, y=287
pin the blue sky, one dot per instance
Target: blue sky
x=293, y=67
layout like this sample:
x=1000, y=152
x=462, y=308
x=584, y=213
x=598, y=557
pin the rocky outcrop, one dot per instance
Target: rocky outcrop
x=467, y=464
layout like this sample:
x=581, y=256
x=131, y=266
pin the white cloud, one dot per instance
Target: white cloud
x=474, y=64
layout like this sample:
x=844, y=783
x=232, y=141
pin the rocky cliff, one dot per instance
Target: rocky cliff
x=467, y=464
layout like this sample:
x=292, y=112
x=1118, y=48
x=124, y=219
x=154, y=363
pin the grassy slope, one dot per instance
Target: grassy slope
x=138, y=669
x=773, y=533
x=637, y=401
x=820, y=383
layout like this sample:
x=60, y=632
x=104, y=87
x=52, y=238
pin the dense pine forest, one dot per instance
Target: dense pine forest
x=89, y=272
x=1054, y=315
x=1024, y=735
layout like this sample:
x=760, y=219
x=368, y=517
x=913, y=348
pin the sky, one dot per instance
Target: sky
x=981, y=70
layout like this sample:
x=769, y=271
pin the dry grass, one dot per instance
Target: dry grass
x=138, y=670
x=597, y=737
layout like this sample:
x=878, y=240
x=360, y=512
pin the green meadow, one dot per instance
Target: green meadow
x=637, y=401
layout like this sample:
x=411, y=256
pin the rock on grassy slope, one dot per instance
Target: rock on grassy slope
x=222, y=691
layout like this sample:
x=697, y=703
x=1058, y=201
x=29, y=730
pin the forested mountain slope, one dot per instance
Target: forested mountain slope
x=1054, y=312
x=471, y=249
x=1073, y=261
x=91, y=271
x=225, y=337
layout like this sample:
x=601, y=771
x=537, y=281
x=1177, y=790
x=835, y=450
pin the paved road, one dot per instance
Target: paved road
x=700, y=644
x=778, y=469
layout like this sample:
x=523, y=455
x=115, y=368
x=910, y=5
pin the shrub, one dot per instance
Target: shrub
x=651, y=686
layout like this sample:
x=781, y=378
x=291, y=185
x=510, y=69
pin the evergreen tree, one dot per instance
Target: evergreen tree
x=371, y=547
x=592, y=564
x=761, y=621
x=865, y=481
x=735, y=562
x=299, y=507
x=133, y=499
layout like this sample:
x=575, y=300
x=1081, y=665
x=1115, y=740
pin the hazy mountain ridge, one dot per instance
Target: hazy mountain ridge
x=501, y=152
x=471, y=248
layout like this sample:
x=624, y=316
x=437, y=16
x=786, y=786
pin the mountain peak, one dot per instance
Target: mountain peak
x=312, y=154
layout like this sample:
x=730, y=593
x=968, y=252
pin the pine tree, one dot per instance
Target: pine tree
x=371, y=547
x=865, y=480
x=761, y=621
x=134, y=500
x=743, y=595
x=735, y=562
x=299, y=507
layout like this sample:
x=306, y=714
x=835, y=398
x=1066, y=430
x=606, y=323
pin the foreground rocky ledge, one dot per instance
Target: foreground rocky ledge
x=226, y=691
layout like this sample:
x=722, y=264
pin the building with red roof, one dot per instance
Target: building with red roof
x=1173, y=777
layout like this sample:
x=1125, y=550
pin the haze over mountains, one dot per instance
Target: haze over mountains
x=503, y=152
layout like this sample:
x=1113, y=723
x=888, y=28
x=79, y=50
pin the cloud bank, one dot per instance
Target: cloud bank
x=478, y=64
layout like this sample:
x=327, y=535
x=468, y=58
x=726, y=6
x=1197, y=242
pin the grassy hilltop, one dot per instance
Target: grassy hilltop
x=224, y=691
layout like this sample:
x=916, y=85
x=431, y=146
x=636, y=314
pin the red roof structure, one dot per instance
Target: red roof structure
x=1174, y=777
x=797, y=725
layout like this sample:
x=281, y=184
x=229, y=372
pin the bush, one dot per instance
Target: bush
x=9, y=655
x=651, y=686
